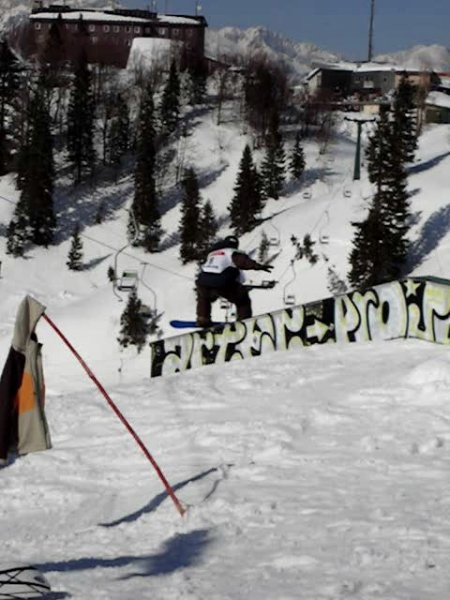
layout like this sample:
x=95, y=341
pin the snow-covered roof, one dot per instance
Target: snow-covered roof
x=177, y=20
x=354, y=67
x=438, y=99
x=76, y=15
x=100, y=16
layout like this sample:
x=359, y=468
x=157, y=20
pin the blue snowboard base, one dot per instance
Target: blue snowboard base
x=180, y=324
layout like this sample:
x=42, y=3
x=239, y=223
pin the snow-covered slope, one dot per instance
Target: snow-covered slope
x=319, y=473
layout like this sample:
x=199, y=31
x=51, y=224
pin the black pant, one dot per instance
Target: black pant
x=234, y=292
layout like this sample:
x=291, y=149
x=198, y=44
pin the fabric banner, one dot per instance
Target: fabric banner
x=23, y=425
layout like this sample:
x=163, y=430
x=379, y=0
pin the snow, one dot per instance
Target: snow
x=93, y=16
x=145, y=52
x=178, y=20
x=101, y=16
x=318, y=473
x=438, y=99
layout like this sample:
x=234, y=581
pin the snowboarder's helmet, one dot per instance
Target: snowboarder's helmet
x=231, y=241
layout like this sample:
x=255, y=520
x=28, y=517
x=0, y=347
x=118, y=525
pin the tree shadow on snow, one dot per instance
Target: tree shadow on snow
x=82, y=204
x=87, y=266
x=181, y=551
x=175, y=195
x=435, y=228
x=159, y=499
x=428, y=164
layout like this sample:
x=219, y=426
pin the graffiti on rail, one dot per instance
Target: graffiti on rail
x=417, y=308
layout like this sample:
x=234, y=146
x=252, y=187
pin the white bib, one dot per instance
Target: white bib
x=219, y=260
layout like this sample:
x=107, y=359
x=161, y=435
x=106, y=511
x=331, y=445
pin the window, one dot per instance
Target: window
x=116, y=28
x=162, y=32
x=37, y=25
x=106, y=28
x=128, y=29
x=94, y=39
x=137, y=30
x=91, y=27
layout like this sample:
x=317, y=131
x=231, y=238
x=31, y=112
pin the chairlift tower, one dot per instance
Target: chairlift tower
x=359, y=122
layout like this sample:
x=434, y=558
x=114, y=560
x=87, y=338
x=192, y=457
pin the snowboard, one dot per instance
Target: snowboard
x=180, y=324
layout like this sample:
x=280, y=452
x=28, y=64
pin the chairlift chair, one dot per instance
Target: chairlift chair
x=225, y=304
x=289, y=299
x=307, y=195
x=128, y=282
x=274, y=241
x=145, y=311
x=323, y=237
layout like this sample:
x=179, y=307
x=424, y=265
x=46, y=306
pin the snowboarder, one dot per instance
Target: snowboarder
x=220, y=276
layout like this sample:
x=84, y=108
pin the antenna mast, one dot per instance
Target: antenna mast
x=372, y=11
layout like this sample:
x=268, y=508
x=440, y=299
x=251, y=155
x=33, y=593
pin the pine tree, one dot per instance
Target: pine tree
x=75, y=256
x=16, y=235
x=297, y=160
x=170, y=102
x=208, y=229
x=133, y=329
x=247, y=201
x=9, y=82
x=263, y=248
x=380, y=245
x=80, y=121
x=145, y=215
x=273, y=166
x=308, y=249
x=405, y=118
x=119, y=132
x=38, y=171
x=198, y=74
x=191, y=227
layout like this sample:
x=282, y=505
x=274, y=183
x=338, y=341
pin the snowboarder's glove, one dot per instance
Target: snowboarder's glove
x=266, y=268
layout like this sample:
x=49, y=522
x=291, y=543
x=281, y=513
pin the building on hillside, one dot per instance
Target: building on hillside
x=365, y=82
x=437, y=108
x=333, y=80
x=443, y=83
x=59, y=33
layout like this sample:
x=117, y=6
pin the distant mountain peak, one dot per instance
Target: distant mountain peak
x=296, y=57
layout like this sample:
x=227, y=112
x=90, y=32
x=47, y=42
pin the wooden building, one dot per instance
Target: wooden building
x=59, y=33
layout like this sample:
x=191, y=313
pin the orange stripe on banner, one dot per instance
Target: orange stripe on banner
x=25, y=394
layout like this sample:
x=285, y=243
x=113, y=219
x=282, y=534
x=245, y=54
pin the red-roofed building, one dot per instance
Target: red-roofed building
x=61, y=33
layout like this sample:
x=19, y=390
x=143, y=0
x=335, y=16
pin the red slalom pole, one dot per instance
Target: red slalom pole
x=130, y=429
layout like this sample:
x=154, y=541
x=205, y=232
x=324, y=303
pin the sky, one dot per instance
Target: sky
x=338, y=26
